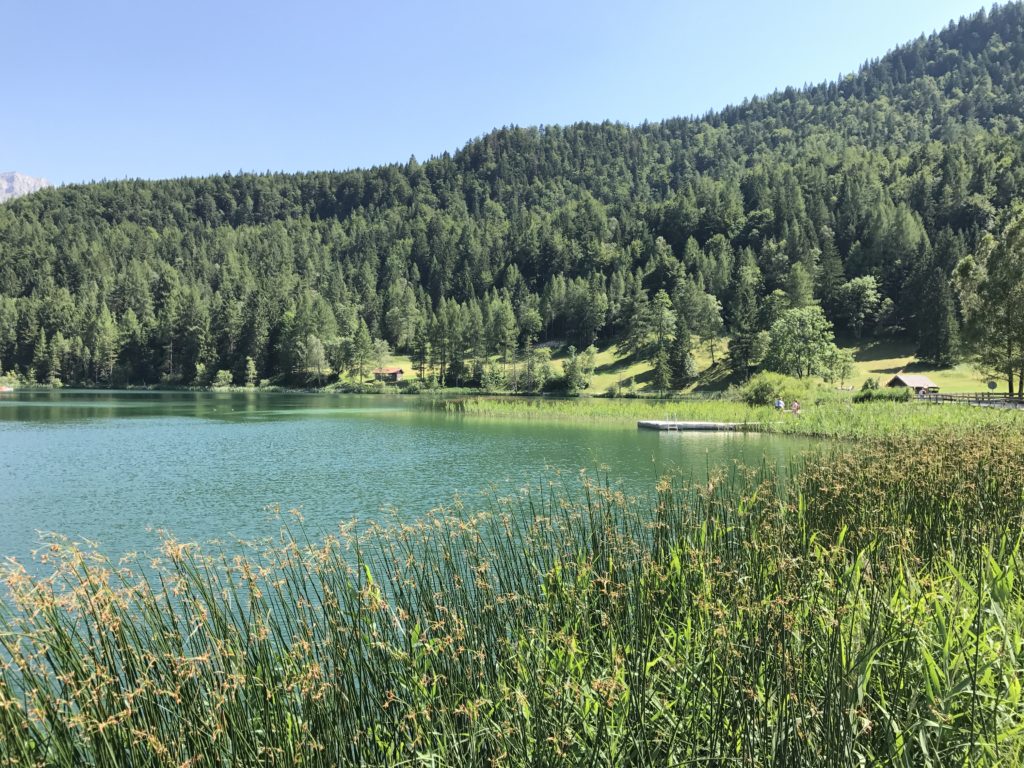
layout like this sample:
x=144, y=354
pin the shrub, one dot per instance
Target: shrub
x=492, y=378
x=764, y=387
x=579, y=369
x=899, y=395
x=411, y=387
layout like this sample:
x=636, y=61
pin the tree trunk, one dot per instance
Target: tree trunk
x=1009, y=366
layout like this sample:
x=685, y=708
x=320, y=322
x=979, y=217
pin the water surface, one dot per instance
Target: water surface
x=112, y=467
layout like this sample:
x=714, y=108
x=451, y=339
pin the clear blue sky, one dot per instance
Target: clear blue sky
x=134, y=88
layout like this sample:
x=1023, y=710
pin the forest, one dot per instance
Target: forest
x=886, y=204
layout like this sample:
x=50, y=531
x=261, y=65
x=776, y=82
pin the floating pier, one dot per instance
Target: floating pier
x=691, y=426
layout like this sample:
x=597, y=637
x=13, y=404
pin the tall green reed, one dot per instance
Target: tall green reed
x=867, y=612
x=835, y=416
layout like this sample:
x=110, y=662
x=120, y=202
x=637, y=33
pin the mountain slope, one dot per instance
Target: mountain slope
x=14, y=184
x=855, y=194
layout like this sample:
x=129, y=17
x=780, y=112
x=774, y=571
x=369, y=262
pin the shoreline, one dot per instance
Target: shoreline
x=832, y=416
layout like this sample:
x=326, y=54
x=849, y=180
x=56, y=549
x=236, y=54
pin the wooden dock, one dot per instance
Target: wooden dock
x=691, y=426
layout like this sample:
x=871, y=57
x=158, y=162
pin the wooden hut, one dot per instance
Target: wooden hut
x=915, y=381
x=389, y=375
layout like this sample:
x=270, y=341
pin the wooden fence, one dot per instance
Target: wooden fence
x=991, y=399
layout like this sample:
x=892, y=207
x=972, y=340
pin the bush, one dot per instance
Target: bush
x=579, y=369
x=897, y=395
x=764, y=387
x=222, y=379
x=492, y=378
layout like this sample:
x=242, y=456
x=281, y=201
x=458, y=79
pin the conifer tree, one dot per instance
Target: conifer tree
x=746, y=346
x=361, y=351
x=250, y=372
x=41, y=358
x=682, y=367
x=661, y=373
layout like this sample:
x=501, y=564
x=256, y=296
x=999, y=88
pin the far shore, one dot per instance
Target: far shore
x=829, y=414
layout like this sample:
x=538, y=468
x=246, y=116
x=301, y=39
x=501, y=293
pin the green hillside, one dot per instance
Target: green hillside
x=887, y=198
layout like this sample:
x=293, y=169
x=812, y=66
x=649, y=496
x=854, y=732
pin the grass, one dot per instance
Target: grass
x=616, y=370
x=858, y=615
x=874, y=359
x=881, y=360
x=884, y=359
x=832, y=415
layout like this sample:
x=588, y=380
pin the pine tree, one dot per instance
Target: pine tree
x=41, y=358
x=682, y=367
x=637, y=313
x=106, y=346
x=799, y=286
x=421, y=351
x=251, y=374
x=745, y=348
x=362, y=350
x=939, y=332
x=58, y=349
x=831, y=274
x=661, y=374
x=662, y=322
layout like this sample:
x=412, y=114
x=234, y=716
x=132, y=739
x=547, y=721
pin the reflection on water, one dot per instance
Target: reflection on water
x=113, y=466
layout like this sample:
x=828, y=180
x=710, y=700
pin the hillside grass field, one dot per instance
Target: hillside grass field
x=873, y=359
x=884, y=359
x=880, y=360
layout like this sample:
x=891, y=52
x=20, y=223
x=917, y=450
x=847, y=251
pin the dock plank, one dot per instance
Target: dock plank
x=691, y=426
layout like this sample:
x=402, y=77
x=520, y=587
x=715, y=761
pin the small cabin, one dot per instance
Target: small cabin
x=388, y=375
x=920, y=384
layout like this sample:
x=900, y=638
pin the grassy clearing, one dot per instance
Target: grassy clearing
x=882, y=360
x=879, y=360
x=833, y=415
x=865, y=615
x=615, y=370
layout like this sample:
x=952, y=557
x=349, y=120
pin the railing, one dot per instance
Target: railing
x=993, y=399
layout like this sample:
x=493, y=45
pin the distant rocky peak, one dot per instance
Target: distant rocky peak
x=14, y=184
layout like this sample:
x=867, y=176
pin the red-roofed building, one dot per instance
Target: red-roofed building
x=389, y=375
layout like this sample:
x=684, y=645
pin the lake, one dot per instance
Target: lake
x=113, y=467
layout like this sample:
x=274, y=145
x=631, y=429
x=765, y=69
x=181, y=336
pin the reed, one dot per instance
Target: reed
x=858, y=614
x=834, y=416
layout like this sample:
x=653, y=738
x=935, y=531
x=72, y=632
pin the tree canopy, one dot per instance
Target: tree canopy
x=859, y=196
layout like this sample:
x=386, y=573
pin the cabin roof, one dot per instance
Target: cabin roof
x=389, y=369
x=912, y=380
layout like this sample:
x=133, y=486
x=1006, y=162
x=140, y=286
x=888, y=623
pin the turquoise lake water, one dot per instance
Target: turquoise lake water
x=114, y=467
